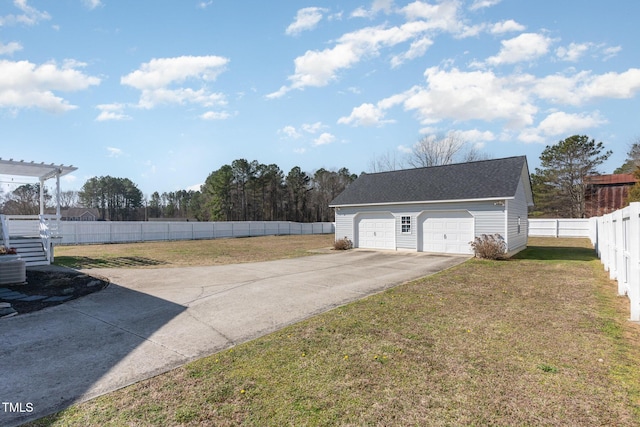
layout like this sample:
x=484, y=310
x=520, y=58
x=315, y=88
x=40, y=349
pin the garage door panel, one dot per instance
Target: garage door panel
x=376, y=231
x=448, y=232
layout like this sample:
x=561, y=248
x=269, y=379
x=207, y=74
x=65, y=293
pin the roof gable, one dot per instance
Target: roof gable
x=487, y=179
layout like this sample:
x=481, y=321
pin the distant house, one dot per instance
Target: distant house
x=437, y=209
x=606, y=193
x=79, y=214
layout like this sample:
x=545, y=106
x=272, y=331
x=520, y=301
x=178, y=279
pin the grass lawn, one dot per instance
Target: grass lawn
x=190, y=252
x=541, y=339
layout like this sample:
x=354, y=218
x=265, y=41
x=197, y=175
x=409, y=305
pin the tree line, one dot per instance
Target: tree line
x=251, y=191
x=241, y=191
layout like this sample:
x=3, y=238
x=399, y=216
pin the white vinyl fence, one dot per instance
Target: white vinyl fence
x=547, y=227
x=616, y=237
x=87, y=232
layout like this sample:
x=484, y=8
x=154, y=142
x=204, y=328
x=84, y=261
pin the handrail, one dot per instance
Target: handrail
x=49, y=228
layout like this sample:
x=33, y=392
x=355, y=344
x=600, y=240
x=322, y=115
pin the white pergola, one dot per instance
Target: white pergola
x=41, y=171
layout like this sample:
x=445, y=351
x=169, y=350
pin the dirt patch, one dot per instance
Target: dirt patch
x=50, y=286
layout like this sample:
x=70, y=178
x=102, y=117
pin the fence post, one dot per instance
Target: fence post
x=634, y=254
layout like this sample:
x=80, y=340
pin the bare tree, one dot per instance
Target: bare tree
x=431, y=150
x=69, y=199
x=388, y=161
x=435, y=150
x=24, y=200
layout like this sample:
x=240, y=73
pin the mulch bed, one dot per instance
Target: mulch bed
x=51, y=282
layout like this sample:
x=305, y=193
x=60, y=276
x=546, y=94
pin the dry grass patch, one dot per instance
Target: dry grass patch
x=190, y=252
x=529, y=341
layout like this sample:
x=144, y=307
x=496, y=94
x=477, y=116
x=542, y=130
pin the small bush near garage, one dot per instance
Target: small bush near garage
x=342, y=244
x=490, y=246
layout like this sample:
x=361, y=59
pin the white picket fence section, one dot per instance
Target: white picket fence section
x=548, y=227
x=88, y=232
x=616, y=237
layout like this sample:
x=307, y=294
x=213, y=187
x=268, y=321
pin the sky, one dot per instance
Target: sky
x=164, y=92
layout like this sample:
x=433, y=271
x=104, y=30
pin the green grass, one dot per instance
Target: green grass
x=541, y=339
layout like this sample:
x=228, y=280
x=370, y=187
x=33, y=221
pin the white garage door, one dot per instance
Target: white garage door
x=376, y=231
x=447, y=232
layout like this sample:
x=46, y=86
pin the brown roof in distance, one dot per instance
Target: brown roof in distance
x=619, y=178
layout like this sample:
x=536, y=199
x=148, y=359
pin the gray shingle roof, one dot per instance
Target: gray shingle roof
x=462, y=181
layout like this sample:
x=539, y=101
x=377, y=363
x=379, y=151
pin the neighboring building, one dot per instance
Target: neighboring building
x=606, y=193
x=438, y=209
x=79, y=214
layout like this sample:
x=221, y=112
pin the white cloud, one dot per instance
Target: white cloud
x=195, y=187
x=525, y=47
x=365, y=115
x=205, y=4
x=161, y=72
x=324, y=139
x=114, y=152
x=478, y=95
x=573, y=52
x=29, y=15
x=441, y=16
x=306, y=19
x=215, y=115
x=162, y=96
x=561, y=123
x=69, y=179
x=506, y=27
x=475, y=136
x=92, y=4
x=10, y=48
x=613, y=85
x=531, y=135
x=312, y=127
x=24, y=84
x=110, y=112
x=157, y=78
x=610, y=52
x=416, y=50
x=583, y=87
x=290, y=132
x=377, y=6
x=482, y=4
x=463, y=96
x=318, y=68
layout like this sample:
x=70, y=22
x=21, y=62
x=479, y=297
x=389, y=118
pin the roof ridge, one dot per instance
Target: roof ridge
x=481, y=179
x=446, y=165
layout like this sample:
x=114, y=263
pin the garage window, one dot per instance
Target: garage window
x=406, y=224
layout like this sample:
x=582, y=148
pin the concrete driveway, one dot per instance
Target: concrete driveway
x=149, y=321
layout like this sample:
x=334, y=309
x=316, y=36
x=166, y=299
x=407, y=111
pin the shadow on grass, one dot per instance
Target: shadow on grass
x=557, y=253
x=80, y=262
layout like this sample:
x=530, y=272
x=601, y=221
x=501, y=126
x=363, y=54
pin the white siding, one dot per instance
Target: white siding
x=517, y=211
x=489, y=219
x=344, y=224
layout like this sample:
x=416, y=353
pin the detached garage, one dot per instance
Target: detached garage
x=438, y=209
